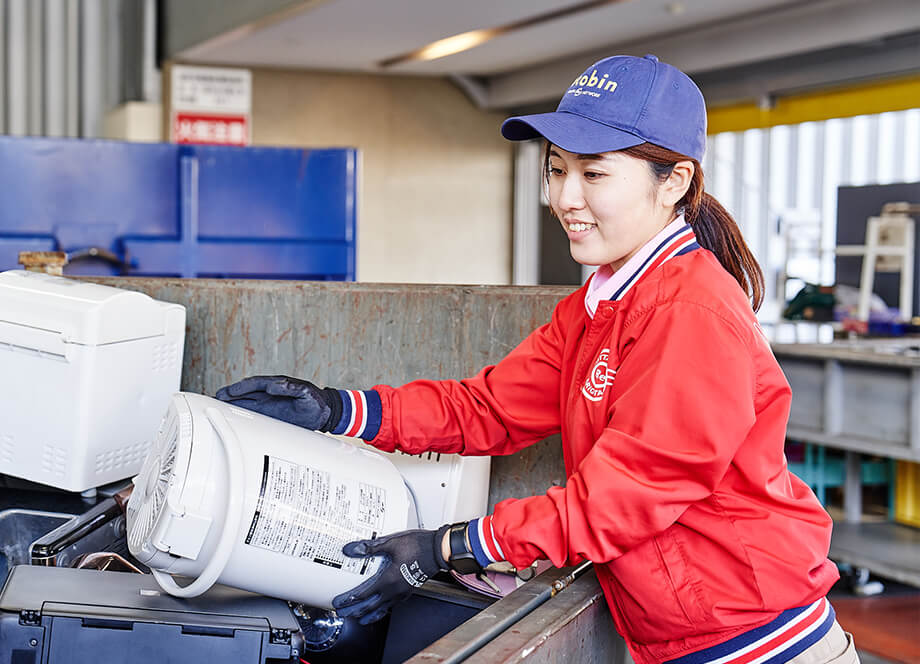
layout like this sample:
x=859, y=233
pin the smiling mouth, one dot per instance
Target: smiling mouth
x=578, y=227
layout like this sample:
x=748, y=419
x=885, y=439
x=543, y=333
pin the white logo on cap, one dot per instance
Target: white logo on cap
x=602, y=84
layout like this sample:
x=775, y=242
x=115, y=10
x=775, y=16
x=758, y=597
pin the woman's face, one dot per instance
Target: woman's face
x=608, y=203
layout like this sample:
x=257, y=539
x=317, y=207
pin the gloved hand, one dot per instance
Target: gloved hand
x=293, y=400
x=410, y=558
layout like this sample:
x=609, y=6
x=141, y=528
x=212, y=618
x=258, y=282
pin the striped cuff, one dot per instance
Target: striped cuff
x=482, y=540
x=361, y=414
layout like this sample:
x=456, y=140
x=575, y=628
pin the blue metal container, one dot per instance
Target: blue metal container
x=169, y=210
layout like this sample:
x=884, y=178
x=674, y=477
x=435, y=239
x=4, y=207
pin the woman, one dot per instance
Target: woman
x=671, y=405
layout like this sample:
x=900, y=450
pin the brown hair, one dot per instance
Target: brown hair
x=715, y=228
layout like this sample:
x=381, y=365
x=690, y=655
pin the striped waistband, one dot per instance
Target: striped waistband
x=789, y=634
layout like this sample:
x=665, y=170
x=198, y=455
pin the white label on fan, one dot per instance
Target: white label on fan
x=307, y=513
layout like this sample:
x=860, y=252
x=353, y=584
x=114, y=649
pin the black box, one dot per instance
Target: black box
x=52, y=615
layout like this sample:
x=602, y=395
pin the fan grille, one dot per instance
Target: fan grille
x=149, y=495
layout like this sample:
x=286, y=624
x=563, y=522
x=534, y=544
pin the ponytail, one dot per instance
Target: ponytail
x=714, y=227
x=717, y=231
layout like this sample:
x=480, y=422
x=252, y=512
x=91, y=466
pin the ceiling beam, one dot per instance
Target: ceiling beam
x=192, y=27
x=855, y=63
x=473, y=38
x=793, y=30
x=861, y=99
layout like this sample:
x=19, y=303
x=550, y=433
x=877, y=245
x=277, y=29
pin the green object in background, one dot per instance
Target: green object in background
x=813, y=302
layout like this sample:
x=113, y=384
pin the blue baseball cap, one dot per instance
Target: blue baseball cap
x=620, y=102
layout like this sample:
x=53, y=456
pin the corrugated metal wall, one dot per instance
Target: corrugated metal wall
x=781, y=183
x=65, y=63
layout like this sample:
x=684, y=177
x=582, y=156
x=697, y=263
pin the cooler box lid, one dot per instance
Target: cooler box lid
x=80, y=312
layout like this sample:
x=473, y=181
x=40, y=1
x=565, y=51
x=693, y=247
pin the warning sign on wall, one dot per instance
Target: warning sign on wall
x=211, y=105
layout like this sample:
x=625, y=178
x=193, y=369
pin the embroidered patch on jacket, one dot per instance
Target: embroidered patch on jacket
x=599, y=378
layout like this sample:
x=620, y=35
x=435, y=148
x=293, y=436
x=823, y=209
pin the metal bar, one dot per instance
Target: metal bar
x=113, y=58
x=527, y=181
x=721, y=183
x=36, y=51
x=871, y=353
x=506, y=612
x=792, y=169
x=873, y=129
x=17, y=63
x=891, y=158
x=129, y=23
x=865, y=445
x=899, y=158
x=907, y=272
x=892, y=488
x=830, y=167
x=762, y=249
x=709, y=160
x=913, y=432
x=72, y=74
x=846, y=151
x=55, y=68
x=150, y=75
x=911, y=170
x=576, y=626
x=817, y=201
x=833, y=397
x=188, y=215
x=91, y=49
x=748, y=214
x=852, y=488
x=867, y=271
x=738, y=176
x=4, y=93
x=355, y=166
x=826, y=232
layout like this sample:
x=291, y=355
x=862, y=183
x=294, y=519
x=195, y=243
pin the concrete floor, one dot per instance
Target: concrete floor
x=884, y=625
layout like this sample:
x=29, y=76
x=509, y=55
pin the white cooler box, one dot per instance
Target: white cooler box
x=86, y=373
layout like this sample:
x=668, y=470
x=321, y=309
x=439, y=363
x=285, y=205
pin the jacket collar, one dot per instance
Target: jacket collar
x=675, y=239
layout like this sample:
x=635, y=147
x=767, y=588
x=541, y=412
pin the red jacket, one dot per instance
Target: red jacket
x=673, y=413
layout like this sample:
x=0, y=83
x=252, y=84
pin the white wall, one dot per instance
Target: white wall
x=134, y=121
x=435, y=179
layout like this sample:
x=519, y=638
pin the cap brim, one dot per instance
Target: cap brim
x=574, y=133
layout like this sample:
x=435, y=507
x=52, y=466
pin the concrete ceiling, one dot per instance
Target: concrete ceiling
x=831, y=40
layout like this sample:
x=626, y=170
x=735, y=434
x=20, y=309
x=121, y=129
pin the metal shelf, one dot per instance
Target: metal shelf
x=888, y=549
x=862, y=397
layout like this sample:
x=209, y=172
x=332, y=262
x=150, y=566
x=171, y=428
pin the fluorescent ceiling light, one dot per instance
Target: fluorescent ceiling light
x=467, y=40
x=450, y=45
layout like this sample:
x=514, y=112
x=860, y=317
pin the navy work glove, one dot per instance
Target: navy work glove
x=293, y=400
x=411, y=557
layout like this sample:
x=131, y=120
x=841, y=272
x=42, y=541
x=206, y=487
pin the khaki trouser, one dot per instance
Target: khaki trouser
x=836, y=647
